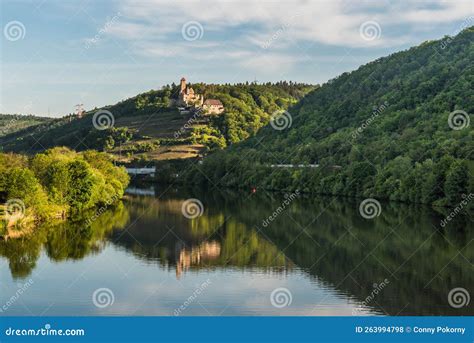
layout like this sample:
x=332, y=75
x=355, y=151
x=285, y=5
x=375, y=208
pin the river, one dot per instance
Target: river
x=167, y=251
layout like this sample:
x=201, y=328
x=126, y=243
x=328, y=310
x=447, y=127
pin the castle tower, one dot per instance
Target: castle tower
x=183, y=85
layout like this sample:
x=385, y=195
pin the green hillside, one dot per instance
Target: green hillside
x=10, y=123
x=149, y=126
x=380, y=131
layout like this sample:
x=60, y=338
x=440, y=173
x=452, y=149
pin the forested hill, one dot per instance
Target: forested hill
x=396, y=128
x=150, y=127
x=10, y=123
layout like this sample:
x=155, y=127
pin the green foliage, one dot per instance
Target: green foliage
x=248, y=106
x=23, y=185
x=154, y=99
x=380, y=131
x=108, y=139
x=60, y=181
x=81, y=184
x=456, y=183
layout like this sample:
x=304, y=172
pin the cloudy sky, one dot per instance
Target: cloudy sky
x=58, y=53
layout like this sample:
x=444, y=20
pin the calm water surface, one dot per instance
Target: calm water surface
x=318, y=257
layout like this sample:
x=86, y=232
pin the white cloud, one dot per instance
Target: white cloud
x=242, y=29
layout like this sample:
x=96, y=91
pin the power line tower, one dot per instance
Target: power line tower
x=79, y=110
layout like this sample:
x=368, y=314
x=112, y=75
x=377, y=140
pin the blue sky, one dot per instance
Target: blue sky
x=58, y=53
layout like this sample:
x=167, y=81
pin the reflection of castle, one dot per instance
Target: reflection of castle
x=205, y=251
x=187, y=97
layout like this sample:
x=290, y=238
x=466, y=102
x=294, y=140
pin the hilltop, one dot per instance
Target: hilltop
x=396, y=128
x=10, y=123
x=156, y=125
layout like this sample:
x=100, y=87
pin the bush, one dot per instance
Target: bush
x=60, y=181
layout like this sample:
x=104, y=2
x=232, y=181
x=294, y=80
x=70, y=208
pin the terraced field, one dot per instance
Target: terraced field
x=162, y=125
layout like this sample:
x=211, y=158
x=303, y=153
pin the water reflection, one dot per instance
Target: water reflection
x=326, y=238
x=216, y=239
x=62, y=241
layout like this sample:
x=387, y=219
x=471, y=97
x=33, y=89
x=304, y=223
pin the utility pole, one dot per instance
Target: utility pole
x=79, y=110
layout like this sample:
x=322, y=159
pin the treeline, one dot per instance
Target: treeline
x=444, y=182
x=58, y=183
x=385, y=130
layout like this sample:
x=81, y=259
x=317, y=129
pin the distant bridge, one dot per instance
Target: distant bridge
x=294, y=165
x=333, y=167
x=140, y=191
x=142, y=171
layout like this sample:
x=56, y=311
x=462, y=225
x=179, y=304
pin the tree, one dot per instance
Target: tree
x=456, y=184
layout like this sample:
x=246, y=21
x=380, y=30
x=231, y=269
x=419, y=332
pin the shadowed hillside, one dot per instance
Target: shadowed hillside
x=396, y=128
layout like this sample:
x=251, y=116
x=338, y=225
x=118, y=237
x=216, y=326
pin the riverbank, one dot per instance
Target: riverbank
x=176, y=179
x=55, y=185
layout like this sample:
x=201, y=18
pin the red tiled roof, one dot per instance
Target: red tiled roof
x=213, y=102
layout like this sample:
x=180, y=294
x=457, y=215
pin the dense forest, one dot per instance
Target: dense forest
x=149, y=121
x=396, y=128
x=57, y=183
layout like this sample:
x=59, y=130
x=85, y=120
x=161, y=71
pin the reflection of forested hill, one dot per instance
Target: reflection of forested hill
x=421, y=263
x=62, y=241
x=160, y=232
x=350, y=253
x=334, y=243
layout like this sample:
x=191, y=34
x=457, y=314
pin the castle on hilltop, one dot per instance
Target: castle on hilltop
x=187, y=98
